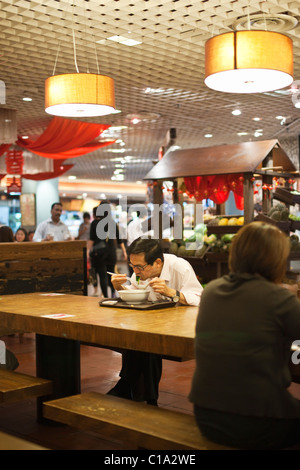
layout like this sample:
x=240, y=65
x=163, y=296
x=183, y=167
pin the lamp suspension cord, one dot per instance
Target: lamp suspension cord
x=74, y=49
x=74, y=40
x=56, y=58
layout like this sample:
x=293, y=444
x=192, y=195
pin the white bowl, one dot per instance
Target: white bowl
x=134, y=296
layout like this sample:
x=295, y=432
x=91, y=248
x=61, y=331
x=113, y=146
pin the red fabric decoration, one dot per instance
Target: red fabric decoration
x=58, y=169
x=216, y=188
x=4, y=148
x=66, y=138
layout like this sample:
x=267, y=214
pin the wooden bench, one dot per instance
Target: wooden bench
x=17, y=387
x=138, y=425
x=8, y=442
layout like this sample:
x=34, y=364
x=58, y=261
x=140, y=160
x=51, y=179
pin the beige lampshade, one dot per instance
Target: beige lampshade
x=79, y=95
x=248, y=62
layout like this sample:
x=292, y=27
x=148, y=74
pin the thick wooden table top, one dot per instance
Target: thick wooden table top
x=168, y=331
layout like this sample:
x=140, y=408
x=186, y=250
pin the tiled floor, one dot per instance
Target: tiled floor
x=99, y=372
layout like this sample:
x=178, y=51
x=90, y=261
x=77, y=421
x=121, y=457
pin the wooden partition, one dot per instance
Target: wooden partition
x=43, y=267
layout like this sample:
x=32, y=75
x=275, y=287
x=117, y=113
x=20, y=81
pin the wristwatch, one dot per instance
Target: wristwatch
x=176, y=297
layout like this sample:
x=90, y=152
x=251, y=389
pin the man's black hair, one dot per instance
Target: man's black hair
x=151, y=248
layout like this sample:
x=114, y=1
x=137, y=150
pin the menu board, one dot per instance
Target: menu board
x=27, y=206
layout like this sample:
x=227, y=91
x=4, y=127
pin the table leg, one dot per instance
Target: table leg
x=58, y=359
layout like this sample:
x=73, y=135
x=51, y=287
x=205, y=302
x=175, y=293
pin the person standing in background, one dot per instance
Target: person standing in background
x=111, y=237
x=84, y=227
x=52, y=229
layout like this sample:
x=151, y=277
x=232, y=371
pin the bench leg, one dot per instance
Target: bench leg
x=58, y=359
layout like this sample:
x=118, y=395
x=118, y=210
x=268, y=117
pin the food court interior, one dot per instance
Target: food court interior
x=154, y=51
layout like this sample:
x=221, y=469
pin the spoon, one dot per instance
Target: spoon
x=108, y=272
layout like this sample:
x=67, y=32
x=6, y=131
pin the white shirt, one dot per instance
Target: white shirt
x=179, y=275
x=59, y=231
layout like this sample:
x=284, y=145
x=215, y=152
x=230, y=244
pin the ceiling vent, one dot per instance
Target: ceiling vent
x=265, y=21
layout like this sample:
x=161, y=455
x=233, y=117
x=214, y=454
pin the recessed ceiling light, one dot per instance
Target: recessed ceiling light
x=116, y=150
x=279, y=117
x=256, y=119
x=125, y=41
x=72, y=177
x=242, y=133
x=208, y=135
x=236, y=112
x=26, y=98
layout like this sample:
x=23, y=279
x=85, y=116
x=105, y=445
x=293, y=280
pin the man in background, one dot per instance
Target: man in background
x=52, y=229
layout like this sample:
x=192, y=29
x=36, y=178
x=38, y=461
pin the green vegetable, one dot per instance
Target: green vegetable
x=138, y=279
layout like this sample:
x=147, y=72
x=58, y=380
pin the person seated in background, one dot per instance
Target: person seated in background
x=31, y=235
x=21, y=235
x=8, y=360
x=6, y=234
x=52, y=229
x=170, y=278
x=246, y=324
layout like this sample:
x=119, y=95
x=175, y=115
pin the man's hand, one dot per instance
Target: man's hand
x=118, y=280
x=159, y=286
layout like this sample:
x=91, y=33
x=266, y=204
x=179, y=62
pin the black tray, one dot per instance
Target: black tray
x=145, y=306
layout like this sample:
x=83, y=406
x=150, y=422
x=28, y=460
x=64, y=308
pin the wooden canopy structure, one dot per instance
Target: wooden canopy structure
x=248, y=157
x=266, y=158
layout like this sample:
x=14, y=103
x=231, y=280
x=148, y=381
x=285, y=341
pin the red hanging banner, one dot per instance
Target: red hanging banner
x=14, y=162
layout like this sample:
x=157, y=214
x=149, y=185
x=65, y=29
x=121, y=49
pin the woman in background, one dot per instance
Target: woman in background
x=21, y=235
x=246, y=324
x=6, y=234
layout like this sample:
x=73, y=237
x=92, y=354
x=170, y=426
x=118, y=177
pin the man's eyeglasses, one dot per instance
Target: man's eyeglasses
x=136, y=266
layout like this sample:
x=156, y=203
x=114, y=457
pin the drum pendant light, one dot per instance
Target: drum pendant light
x=248, y=62
x=79, y=95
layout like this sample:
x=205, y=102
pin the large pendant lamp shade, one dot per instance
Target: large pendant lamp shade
x=248, y=62
x=79, y=95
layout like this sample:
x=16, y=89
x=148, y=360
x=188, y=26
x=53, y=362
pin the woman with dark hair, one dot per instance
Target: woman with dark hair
x=21, y=235
x=6, y=234
x=245, y=328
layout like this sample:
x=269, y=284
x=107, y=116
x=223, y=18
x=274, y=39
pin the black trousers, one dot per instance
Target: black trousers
x=105, y=279
x=143, y=373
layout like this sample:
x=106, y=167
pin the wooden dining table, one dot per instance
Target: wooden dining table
x=63, y=321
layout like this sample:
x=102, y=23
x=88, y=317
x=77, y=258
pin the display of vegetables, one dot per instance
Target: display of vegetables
x=198, y=243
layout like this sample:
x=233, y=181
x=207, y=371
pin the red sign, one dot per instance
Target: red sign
x=14, y=162
x=13, y=184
